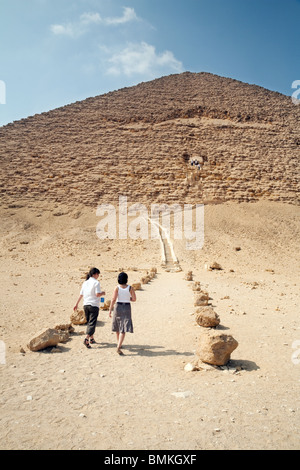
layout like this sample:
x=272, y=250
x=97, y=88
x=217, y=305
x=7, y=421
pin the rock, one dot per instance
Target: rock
x=215, y=265
x=137, y=286
x=196, y=286
x=65, y=327
x=153, y=270
x=215, y=347
x=106, y=305
x=189, y=276
x=200, y=365
x=201, y=299
x=207, y=317
x=199, y=302
x=47, y=338
x=78, y=317
x=189, y=367
x=145, y=279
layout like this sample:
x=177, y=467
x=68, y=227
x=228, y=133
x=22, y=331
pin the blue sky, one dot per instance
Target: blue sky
x=55, y=52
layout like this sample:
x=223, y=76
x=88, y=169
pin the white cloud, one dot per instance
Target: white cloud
x=142, y=59
x=67, y=29
x=81, y=26
x=89, y=18
x=128, y=15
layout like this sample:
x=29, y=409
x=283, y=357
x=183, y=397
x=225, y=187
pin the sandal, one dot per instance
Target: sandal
x=87, y=343
x=92, y=341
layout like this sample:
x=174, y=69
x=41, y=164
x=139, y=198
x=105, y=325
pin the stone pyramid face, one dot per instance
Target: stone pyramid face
x=187, y=138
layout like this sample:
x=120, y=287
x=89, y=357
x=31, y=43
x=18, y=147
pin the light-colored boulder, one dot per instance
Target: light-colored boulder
x=47, y=338
x=137, y=286
x=65, y=327
x=145, y=279
x=200, y=302
x=215, y=347
x=196, y=286
x=78, y=317
x=207, y=317
x=106, y=305
x=201, y=299
x=189, y=276
x=216, y=266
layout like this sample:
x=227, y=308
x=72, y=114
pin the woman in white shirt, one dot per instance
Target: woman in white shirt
x=91, y=293
x=122, y=321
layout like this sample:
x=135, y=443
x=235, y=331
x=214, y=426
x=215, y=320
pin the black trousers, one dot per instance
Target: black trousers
x=91, y=315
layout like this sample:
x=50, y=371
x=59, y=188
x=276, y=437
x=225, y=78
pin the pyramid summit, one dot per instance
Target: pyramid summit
x=141, y=141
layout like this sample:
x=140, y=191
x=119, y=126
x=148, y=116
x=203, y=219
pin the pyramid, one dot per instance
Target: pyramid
x=140, y=141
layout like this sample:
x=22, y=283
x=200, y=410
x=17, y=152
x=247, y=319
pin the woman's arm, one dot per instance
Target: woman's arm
x=113, y=301
x=77, y=303
x=100, y=294
x=132, y=293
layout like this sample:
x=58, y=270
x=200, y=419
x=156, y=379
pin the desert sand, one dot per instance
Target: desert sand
x=70, y=397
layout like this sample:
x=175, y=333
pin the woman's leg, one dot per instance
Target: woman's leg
x=91, y=327
x=121, y=337
x=91, y=314
x=87, y=316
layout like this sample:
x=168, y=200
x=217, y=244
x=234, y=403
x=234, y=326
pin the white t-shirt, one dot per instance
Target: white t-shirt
x=89, y=289
x=123, y=294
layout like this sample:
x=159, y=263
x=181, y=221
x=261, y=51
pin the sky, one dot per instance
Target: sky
x=56, y=52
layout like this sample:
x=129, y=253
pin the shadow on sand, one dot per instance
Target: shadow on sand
x=244, y=364
x=144, y=350
x=152, y=351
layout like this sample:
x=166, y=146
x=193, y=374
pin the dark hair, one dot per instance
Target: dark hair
x=92, y=272
x=122, y=278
